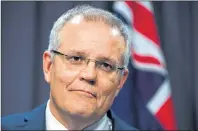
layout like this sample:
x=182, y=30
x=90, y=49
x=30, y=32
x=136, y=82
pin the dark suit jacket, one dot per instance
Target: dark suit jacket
x=35, y=120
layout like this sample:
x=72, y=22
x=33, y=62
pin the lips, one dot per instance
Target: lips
x=84, y=91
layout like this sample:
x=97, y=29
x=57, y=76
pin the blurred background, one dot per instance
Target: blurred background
x=25, y=30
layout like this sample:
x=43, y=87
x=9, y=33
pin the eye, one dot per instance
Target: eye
x=75, y=59
x=105, y=66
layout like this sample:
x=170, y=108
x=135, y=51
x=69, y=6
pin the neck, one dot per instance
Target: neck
x=71, y=122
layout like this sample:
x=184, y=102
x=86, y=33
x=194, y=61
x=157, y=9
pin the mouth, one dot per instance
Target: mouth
x=87, y=93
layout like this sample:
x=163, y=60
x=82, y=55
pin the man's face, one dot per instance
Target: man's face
x=71, y=89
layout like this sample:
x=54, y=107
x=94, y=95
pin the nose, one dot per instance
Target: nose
x=89, y=73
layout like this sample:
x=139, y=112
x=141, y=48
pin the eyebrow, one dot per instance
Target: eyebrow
x=77, y=52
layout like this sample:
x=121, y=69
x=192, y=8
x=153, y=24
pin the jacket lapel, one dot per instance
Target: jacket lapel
x=114, y=120
x=117, y=123
x=34, y=120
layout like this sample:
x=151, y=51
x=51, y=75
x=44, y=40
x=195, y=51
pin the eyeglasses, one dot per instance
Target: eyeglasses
x=77, y=62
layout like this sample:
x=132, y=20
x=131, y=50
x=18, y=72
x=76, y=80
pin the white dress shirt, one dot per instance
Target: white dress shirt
x=53, y=124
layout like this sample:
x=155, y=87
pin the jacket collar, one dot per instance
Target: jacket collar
x=35, y=120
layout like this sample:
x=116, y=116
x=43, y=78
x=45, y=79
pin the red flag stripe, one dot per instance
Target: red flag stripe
x=144, y=46
x=142, y=18
x=146, y=59
x=149, y=67
x=165, y=115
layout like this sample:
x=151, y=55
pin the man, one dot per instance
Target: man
x=85, y=66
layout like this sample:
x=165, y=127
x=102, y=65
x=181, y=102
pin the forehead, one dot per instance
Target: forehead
x=93, y=38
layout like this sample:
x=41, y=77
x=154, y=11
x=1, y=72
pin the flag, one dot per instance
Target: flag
x=152, y=92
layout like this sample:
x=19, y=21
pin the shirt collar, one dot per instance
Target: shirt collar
x=53, y=124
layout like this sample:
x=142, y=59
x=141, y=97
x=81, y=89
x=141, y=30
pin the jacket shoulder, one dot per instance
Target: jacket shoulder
x=118, y=123
x=31, y=120
x=11, y=121
x=123, y=125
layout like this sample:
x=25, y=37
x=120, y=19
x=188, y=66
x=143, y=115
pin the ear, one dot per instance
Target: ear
x=123, y=79
x=47, y=63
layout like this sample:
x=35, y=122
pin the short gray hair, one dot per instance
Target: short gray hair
x=90, y=13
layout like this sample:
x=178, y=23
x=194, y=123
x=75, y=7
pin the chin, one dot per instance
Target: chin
x=81, y=109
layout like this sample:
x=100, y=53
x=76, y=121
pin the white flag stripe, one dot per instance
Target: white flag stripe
x=160, y=97
x=144, y=46
x=146, y=4
x=149, y=67
x=124, y=10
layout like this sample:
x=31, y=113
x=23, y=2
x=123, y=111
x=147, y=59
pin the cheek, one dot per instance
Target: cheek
x=66, y=76
x=107, y=93
x=61, y=79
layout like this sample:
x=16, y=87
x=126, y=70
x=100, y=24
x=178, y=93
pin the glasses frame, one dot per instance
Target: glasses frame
x=87, y=60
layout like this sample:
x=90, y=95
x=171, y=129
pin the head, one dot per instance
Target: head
x=96, y=36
